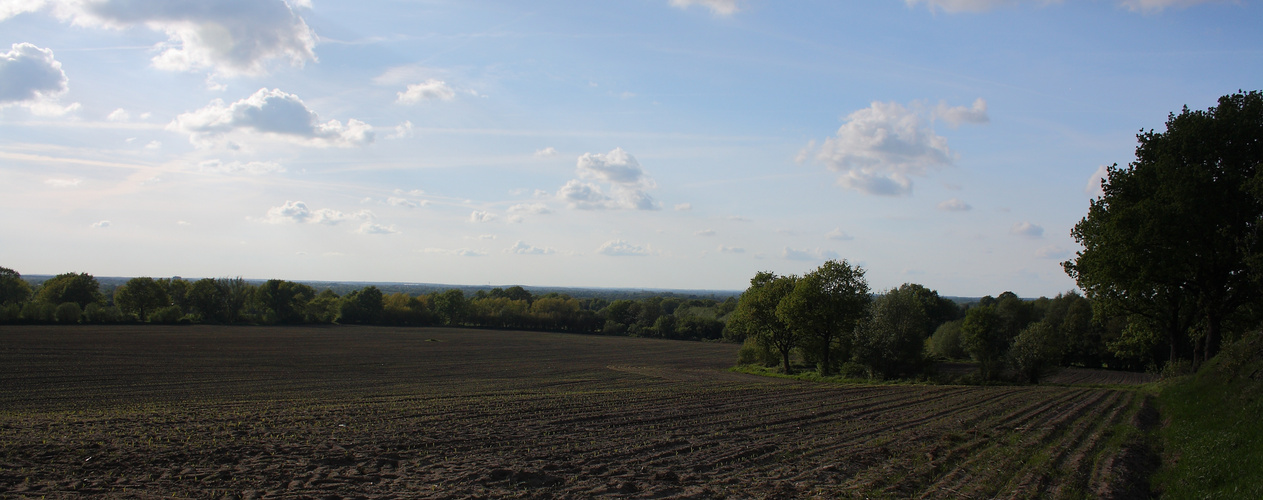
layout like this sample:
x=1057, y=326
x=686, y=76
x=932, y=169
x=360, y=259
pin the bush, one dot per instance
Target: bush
x=169, y=315
x=9, y=313
x=1036, y=351
x=39, y=312
x=945, y=343
x=96, y=313
x=68, y=312
x=752, y=352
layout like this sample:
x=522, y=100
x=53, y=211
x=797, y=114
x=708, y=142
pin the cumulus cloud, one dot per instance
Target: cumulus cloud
x=429, y=90
x=683, y=207
x=547, y=152
x=298, y=212
x=237, y=167
x=459, y=252
x=272, y=113
x=623, y=179
x=119, y=115
x=374, y=228
x=718, y=7
x=1094, y=188
x=954, y=116
x=838, y=235
x=402, y=131
x=101, y=224
x=479, y=216
x=880, y=148
x=522, y=248
x=395, y=201
x=728, y=249
x=954, y=205
x=517, y=212
x=809, y=254
x=228, y=37
x=1027, y=229
x=620, y=248
x=31, y=77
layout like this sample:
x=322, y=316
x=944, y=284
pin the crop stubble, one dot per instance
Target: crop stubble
x=156, y=412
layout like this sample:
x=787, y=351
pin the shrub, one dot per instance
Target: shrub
x=945, y=343
x=753, y=352
x=1036, y=351
x=68, y=312
x=168, y=315
x=39, y=312
x=97, y=313
x=9, y=313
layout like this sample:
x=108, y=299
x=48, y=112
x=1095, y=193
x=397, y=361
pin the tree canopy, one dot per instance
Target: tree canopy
x=1174, y=240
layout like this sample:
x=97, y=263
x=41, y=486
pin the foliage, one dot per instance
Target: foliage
x=756, y=314
x=1175, y=237
x=169, y=315
x=824, y=306
x=283, y=301
x=362, y=306
x=891, y=342
x=80, y=288
x=140, y=297
x=946, y=343
x=99, y=314
x=983, y=337
x=68, y=313
x=13, y=289
x=1036, y=351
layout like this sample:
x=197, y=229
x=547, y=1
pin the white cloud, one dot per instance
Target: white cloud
x=272, y=113
x=718, y=7
x=64, y=182
x=809, y=254
x=728, y=249
x=298, y=212
x=1094, y=188
x=1027, y=229
x=954, y=205
x=479, y=216
x=620, y=172
x=459, y=252
x=1052, y=252
x=402, y=131
x=837, y=234
x=101, y=224
x=236, y=167
x=547, y=152
x=402, y=202
x=486, y=236
x=229, y=37
x=522, y=248
x=957, y=115
x=705, y=232
x=683, y=207
x=429, y=90
x=119, y=115
x=154, y=145
x=880, y=148
x=620, y=248
x=530, y=208
x=31, y=77
x=373, y=228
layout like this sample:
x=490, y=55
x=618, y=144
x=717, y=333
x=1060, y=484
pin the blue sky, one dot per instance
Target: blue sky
x=640, y=143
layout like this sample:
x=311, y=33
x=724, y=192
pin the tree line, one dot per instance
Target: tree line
x=78, y=298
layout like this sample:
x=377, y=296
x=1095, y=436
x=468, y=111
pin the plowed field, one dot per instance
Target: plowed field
x=214, y=412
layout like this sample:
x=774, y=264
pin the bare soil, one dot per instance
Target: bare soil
x=357, y=412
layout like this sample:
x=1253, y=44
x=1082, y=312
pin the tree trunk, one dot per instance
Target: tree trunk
x=825, y=366
x=785, y=357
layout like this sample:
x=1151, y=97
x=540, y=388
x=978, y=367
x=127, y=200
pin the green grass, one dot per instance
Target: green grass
x=1213, y=427
x=815, y=376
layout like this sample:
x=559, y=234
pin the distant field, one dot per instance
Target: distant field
x=157, y=412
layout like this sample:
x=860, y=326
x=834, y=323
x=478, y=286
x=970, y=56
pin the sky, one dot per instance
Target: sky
x=666, y=144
